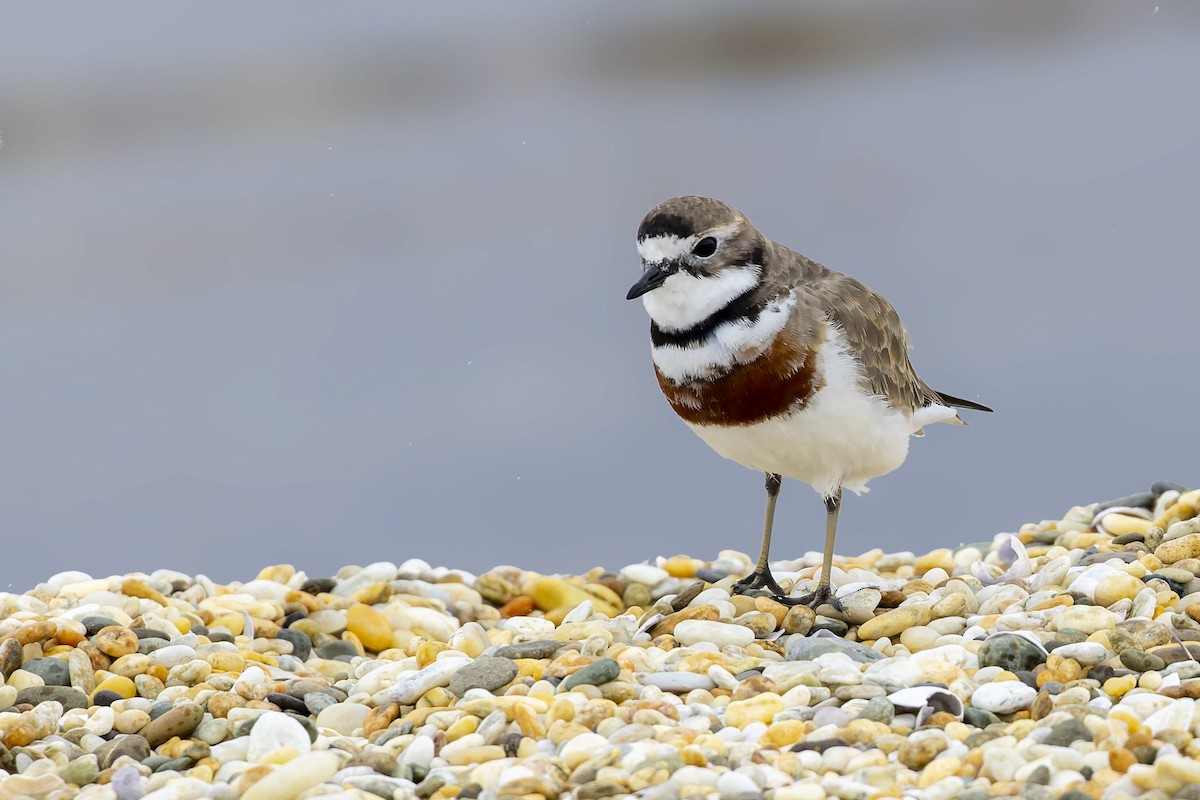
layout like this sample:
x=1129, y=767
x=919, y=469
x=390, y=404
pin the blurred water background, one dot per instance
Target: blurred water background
x=337, y=283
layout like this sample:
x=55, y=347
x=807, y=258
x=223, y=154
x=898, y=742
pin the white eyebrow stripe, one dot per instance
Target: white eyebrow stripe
x=669, y=247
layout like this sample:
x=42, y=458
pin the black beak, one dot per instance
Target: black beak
x=651, y=279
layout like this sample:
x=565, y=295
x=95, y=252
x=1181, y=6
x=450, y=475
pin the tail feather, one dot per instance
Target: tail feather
x=958, y=402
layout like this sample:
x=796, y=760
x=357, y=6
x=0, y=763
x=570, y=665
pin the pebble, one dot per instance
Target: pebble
x=600, y=672
x=290, y=780
x=273, y=731
x=1011, y=652
x=1003, y=698
x=180, y=720
x=486, y=672
x=934, y=682
x=344, y=718
x=693, y=631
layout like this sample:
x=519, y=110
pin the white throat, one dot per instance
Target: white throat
x=684, y=301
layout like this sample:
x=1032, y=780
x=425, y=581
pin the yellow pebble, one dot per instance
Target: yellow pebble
x=942, y=557
x=427, y=652
x=226, y=662
x=117, y=683
x=461, y=727
x=563, y=709
x=1151, y=680
x=939, y=769
x=1116, y=587
x=375, y=593
x=682, y=566
x=1121, y=524
x=781, y=734
x=250, y=655
x=1118, y=687
x=234, y=623
x=760, y=708
x=530, y=668
x=528, y=722
x=134, y=587
x=1004, y=675
x=370, y=626
x=280, y=573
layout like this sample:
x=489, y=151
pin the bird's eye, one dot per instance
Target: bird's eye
x=705, y=247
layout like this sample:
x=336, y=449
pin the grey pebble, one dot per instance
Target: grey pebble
x=1036, y=791
x=338, y=648
x=1013, y=653
x=129, y=744
x=978, y=717
x=94, y=623
x=301, y=644
x=287, y=703
x=1158, y=487
x=1066, y=732
x=835, y=626
x=54, y=671
x=299, y=688
x=1136, y=500
x=486, y=672
x=878, y=709
x=709, y=575
x=70, y=697
x=543, y=648
x=806, y=648
x=316, y=702
x=150, y=633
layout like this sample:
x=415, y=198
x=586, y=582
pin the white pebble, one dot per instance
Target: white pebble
x=678, y=681
x=1005, y=697
x=410, y=689
x=275, y=730
x=173, y=655
x=721, y=634
x=1088, y=654
x=735, y=785
x=290, y=780
x=644, y=573
x=345, y=718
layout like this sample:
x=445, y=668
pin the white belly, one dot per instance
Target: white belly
x=820, y=447
x=842, y=437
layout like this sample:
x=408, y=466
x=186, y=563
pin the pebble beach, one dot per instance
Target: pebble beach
x=1055, y=661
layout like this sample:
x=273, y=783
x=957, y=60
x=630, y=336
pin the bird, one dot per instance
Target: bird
x=779, y=364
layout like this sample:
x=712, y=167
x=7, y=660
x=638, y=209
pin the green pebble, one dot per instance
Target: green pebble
x=1141, y=661
x=602, y=671
x=81, y=771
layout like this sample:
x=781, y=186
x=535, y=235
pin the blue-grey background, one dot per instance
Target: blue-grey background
x=330, y=284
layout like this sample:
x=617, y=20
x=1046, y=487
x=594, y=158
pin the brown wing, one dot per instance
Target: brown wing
x=873, y=332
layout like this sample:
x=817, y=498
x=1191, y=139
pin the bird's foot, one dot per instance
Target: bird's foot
x=822, y=595
x=762, y=582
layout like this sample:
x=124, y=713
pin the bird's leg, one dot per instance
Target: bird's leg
x=761, y=577
x=823, y=593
